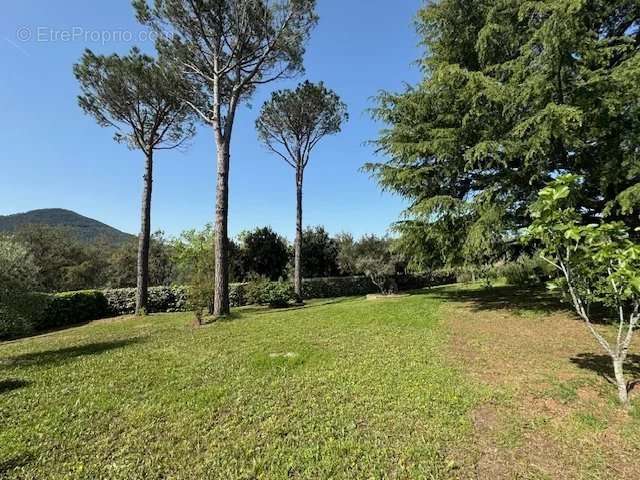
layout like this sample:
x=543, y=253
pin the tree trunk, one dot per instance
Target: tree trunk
x=297, y=280
x=621, y=382
x=221, y=247
x=144, y=239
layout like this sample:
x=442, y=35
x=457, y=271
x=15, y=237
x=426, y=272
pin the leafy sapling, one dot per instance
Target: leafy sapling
x=140, y=97
x=599, y=264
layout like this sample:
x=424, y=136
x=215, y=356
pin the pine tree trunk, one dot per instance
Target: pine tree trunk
x=221, y=287
x=144, y=239
x=297, y=281
x=621, y=382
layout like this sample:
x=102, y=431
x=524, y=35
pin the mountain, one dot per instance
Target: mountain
x=83, y=228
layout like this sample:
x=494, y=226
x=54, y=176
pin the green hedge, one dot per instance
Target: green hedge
x=122, y=301
x=39, y=312
x=73, y=308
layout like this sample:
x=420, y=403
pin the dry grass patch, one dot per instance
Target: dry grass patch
x=552, y=414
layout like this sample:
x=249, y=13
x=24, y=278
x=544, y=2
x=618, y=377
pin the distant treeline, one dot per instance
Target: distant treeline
x=66, y=263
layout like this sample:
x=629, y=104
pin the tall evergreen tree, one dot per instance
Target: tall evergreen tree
x=227, y=48
x=141, y=98
x=515, y=93
x=291, y=124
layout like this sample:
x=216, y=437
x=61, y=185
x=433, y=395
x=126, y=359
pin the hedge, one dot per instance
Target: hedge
x=44, y=312
x=122, y=301
x=39, y=312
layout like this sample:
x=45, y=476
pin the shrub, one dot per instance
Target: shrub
x=19, y=275
x=525, y=271
x=264, y=292
x=336, y=287
x=71, y=308
x=22, y=316
x=122, y=301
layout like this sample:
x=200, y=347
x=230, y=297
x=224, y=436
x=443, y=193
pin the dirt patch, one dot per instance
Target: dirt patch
x=552, y=413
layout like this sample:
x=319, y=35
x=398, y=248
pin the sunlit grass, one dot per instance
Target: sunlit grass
x=339, y=389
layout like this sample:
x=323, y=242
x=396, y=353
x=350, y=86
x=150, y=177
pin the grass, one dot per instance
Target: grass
x=342, y=389
x=455, y=383
x=552, y=412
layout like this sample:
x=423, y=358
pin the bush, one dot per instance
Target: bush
x=19, y=275
x=526, y=271
x=63, y=309
x=336, y=287
x=22, y=315
x=264, y=292
x=122, y=301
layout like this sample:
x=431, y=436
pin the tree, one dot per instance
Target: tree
x=18, y=277
x=121, y=272
x=227, y=49
x=350, y=251
x=290, y=125
x=64, y=263
x=193, y=257
x=264, y=253
x=319, y=254
x=376, y=260
x=346, y=257
x=515, y=92
x=599, y=263
x=140, y=98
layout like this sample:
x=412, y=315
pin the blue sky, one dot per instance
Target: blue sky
x=55, y=156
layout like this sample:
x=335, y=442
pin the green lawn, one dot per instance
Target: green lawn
x=340, y=389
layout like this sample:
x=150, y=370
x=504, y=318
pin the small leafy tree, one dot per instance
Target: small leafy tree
x=319, y=253
x=227, y=49
x=380, y=269
x=264, y=253
x=376, y=260
x=193, y=257
x=346, y=258
x=485, y=239
x=141, y=98
x=599, y=264
x=290, y=125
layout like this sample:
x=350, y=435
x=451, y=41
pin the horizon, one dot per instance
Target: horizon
x=75, y=164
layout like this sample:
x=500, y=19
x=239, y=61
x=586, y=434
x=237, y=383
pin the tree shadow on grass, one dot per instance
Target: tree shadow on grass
x=602, y=365
x=535, y=299
x=64, y=355
x=14, y=462
x=9, y=385
x=264, y=310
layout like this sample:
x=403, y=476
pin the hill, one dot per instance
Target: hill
x=84, y=228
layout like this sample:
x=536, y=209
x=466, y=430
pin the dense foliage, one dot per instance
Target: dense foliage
x=319, y=253
x=18, y=277
x=264, y=253
x=514, y=92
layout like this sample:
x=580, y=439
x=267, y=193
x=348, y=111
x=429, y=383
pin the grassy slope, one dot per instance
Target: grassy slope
x=367, y=394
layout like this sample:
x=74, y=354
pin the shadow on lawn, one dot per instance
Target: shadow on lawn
x=9, y=385
x=601, y=364
x=66, y=354
x=504, y=298
x=14, y=462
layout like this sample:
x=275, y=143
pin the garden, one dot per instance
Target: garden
x=491, y=333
